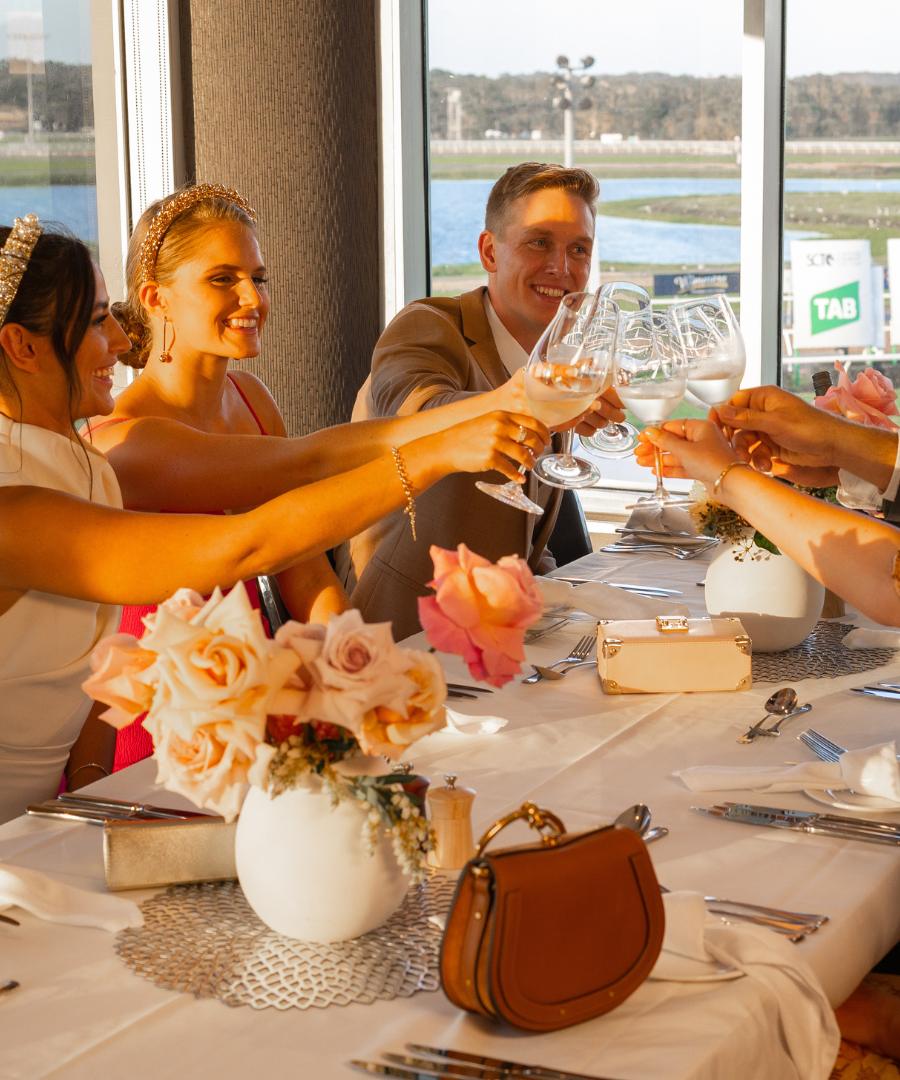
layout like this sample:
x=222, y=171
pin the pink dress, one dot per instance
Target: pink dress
x=133, y=743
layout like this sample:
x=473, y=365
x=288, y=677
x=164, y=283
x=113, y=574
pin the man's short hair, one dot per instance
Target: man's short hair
x=532, y=176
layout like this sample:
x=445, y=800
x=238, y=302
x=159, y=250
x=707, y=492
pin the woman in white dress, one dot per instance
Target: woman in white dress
x=69, y=555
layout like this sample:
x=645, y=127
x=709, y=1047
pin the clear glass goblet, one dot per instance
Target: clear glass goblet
x=714, y=349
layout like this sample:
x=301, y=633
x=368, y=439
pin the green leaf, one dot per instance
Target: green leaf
x=764, y=543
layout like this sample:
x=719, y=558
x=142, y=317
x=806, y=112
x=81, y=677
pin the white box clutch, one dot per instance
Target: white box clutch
x=671, y=655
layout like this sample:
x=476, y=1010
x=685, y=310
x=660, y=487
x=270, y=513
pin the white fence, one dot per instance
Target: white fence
x=697, y=147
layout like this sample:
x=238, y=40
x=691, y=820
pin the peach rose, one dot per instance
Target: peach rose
x=385, y=731
x=870, y=399
x=480, y=611
x=117, y=663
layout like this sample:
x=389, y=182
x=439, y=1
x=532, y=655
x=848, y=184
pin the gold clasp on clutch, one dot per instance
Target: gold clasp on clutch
x=665, y=623
x=611, y=646
x=537, y=818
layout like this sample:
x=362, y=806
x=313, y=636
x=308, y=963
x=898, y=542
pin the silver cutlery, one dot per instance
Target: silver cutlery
x=681, y=538
x=8, y=985
x=775, y=728
x=619, y=548
x=7, y=919
x=876, y=691
x=619, y=585
x=461, y=1071
x=808, y=815
x=496, y=1065
x=660, y=832
x=787, y=927
x=464, y=688
x=781, y=702
x=817, y=824
x=532, y=636
x=551, y=675
x=460, y=694
x=637, y=818
x=823, y=748
x=580, y=652
x=77, y=798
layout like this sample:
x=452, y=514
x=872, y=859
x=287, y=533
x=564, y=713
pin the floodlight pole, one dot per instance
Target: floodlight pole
x=566, y=101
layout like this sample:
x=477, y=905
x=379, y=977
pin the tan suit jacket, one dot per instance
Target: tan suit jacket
x=435, y=351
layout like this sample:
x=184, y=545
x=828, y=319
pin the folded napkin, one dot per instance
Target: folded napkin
x=51, y=900
x=460, y=724
x=605, y=601
x=663, y=519
x=807, y=1027
x=872, y=771
x=860, y=638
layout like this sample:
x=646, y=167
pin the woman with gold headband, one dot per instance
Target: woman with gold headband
x=187, y=435
x=69, y=553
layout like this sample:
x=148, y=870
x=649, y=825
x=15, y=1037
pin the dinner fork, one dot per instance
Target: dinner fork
x=580, y=652
x=824, y=749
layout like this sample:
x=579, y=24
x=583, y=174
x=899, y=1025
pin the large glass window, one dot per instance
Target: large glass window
x=842, y=189
x=47, y=114
x=653, y=103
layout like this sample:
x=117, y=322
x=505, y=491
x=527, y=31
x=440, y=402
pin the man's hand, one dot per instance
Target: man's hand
x=778, y=433
x=690, y=449
x=607, y=407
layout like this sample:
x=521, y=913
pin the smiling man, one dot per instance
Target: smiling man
x=536, y=247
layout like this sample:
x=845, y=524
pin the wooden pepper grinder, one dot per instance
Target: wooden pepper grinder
x=451, y=816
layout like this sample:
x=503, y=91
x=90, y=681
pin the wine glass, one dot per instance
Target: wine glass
x=570, y=367
x=713, y=347
x=650, y=376
x=618, y=440
x=562, y=378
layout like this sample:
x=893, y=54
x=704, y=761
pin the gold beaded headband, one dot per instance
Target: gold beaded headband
x=14, y=258
x=175, y=207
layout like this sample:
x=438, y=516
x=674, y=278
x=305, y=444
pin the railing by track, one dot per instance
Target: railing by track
x=697, y=147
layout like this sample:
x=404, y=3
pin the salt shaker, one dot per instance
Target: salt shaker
x=451, y=817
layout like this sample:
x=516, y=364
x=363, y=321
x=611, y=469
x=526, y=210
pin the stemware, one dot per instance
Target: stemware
x=650, y=379
x=714, y=350
x=563, y=376
x=572, y=365
x=618, y=440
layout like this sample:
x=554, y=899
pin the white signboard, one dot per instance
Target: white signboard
x=893, y=253
x=832, y=281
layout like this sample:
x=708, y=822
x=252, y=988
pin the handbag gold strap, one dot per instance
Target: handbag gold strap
x=537, y=818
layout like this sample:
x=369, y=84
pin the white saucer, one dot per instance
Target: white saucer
x=852, y=800
x=673, y=967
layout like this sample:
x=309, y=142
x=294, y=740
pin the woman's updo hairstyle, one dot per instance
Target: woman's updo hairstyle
x=181, y=241
x=55, y=299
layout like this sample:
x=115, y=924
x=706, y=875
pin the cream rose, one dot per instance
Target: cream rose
x=388, y=732
x=120, y=668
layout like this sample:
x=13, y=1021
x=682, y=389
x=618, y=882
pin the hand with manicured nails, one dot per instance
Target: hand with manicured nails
x=692, y=449
x=491, y=441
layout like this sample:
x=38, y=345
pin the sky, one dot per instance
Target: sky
x=690, y=37
x=66, y=25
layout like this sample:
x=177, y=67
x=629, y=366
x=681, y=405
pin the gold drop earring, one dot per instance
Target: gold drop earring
x=165, y=357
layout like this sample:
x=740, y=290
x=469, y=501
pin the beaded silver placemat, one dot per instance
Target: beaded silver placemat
x=821, y=656
x=206, y=940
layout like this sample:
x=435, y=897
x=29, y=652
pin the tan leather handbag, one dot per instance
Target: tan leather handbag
x=552, y=933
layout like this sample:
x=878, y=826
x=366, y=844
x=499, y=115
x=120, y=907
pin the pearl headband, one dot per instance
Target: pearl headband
x=14, y=258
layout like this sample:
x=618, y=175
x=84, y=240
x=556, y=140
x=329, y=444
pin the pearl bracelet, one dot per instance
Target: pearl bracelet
x=731, y=465
x=410, y=509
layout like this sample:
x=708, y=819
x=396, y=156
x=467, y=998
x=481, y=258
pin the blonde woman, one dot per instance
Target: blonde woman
x=188, y=435
x=69, y=553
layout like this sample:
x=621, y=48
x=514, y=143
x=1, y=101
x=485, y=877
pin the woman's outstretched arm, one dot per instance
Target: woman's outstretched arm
x=850, y=553
x=53, y=542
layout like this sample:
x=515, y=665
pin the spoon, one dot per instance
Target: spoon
x=773, y=730
x=781, y=702
x=636, y=818
x=552, y=673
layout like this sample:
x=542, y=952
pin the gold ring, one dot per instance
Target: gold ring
x=684, y=429
x=522, y=436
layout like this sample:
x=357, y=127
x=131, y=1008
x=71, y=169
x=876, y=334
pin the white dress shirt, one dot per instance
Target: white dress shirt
x=858, y=494
x=512, y=355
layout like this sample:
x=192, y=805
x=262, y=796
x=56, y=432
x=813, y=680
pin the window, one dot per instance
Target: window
x=841, y=190
x=47, y=163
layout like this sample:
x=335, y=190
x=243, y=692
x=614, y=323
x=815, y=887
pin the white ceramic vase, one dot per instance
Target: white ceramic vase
x=304, y=869
x=777, y=602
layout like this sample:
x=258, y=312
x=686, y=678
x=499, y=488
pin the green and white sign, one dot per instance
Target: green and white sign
x=832, y=288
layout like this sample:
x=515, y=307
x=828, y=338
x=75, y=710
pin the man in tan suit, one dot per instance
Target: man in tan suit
x=536, y=247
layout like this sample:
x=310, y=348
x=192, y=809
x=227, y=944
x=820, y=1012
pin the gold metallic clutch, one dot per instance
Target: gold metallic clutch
x=670, y=655
x=145, y=854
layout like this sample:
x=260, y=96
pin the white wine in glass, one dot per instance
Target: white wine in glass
x=714, y=350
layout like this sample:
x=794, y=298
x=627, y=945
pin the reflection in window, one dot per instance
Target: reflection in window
x=47, y=114
x=842, y=191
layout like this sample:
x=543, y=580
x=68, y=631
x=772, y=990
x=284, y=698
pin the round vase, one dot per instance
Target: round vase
x=303, y=867
x=777, y=602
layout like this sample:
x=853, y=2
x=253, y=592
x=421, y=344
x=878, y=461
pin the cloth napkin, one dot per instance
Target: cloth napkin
x=51, y=900
x=663, y=519
x=872, y=771
x=605, y=601
x=861, y=638
x=460, y=724
x=808, y=1028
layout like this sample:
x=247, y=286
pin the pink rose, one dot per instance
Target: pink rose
x=870, y=399
x=117, y=663
x=480, y=611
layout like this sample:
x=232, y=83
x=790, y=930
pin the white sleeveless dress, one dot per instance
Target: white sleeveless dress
x=46, y=640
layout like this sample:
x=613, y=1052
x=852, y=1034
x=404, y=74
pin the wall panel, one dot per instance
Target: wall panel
x=281, y=101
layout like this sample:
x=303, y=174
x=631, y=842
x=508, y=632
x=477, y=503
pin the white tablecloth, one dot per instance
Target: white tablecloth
x=82, y=1014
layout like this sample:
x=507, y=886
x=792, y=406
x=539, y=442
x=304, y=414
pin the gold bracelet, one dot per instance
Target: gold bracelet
x=410, y=508
x=731, y=465
x=87, y=765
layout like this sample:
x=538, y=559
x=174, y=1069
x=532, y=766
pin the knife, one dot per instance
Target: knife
x=619, y=585
x=510, y=1068
x=470, y=1071
x=818, y=827
x=122, y=807
x=465, y=688
x=808, y=815
x=888, y=695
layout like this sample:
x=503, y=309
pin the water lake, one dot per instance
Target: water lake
x=75, y=206
x=457, y=217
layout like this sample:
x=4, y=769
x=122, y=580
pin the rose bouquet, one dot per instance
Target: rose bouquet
x=869, y=399
x=226, y=707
